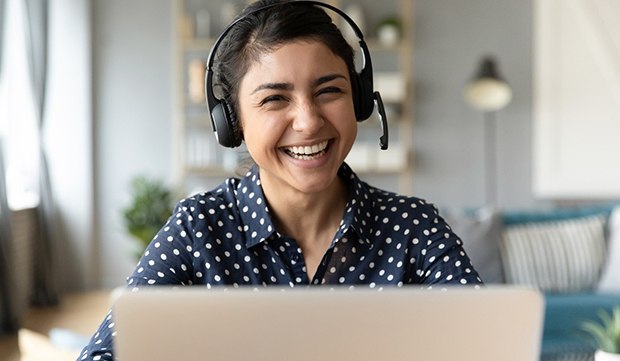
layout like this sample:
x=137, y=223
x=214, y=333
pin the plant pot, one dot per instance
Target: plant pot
x=388, y=35
x=600, y=355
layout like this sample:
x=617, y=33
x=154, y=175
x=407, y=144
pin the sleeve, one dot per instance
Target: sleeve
x=443, y=259
x=100, y=344
x=166, y=261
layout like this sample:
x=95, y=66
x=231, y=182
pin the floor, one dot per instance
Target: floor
x=80, y=313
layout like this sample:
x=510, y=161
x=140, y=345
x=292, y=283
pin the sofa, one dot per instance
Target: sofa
x=572, y=255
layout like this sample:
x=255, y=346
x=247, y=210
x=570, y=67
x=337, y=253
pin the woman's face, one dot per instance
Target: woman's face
x=296, y=111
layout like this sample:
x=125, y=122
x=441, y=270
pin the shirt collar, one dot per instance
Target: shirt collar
x=257, y=222
x=359, y=209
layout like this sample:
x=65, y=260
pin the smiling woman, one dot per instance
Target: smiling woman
x=288, y=88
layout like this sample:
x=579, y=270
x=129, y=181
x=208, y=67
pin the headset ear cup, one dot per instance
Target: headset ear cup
x=363, y=99
x=224, y=122
x=355, y=90
x=236, y=135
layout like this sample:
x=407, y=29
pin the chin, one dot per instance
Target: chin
x=315, y=184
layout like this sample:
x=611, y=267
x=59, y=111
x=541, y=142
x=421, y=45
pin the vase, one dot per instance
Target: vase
x=388, y=35
x=601, y=355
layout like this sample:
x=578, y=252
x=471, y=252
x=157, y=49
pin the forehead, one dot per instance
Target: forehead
x=294, y=60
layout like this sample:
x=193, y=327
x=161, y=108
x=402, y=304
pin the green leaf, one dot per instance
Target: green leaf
x=605, y=332
x=149, y=210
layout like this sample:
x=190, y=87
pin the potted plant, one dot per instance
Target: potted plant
x=150, y=208
x=606, y=334
x=389, y=30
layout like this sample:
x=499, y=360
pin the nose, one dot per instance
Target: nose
x=308, y=118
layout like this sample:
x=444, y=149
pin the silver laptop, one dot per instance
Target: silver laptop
x=317, y=323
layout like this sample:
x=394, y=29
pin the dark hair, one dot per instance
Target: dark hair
x=261, y=31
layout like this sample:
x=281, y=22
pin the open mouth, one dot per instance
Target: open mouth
x=307, y=152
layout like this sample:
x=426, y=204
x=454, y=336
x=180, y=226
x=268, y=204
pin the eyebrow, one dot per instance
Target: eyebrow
x=328, y=78
x=288, y=86
x=274, y=86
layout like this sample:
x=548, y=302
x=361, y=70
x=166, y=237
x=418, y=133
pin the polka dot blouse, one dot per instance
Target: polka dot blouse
x=226, y=237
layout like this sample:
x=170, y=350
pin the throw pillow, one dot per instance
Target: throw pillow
x=480, y=232
x=610, y=280
x=560, y=256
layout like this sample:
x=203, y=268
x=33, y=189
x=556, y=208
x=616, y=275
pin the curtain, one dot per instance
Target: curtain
x=8, y=308
x=8, y=316
x=45, y=290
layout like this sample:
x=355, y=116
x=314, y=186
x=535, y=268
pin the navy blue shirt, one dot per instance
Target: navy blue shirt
x=227, y=237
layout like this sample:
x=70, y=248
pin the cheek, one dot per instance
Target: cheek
x=354, y=129
x=348, y=123
x=244, y=117
x=351, y=132
x=259, y=131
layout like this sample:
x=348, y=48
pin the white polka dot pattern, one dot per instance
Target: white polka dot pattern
x=227, y=237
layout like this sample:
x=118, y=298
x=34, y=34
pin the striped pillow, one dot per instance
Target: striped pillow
x=560, y=256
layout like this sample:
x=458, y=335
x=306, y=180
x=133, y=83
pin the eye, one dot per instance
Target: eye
x=330, y=90
x=272, y=99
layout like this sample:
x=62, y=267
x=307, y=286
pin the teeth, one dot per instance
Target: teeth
x=308, y=150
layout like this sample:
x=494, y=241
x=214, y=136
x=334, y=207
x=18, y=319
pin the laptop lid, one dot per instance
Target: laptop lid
x=317, y=323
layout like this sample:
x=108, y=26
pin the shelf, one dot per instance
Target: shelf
x=375, y=45
x=366, y=157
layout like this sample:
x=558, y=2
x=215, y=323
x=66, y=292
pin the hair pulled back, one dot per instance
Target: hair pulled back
x=262, y=31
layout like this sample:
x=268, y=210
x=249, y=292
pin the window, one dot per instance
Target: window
x=18, y=126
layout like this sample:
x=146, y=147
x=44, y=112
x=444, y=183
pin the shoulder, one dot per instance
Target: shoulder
x=407, y=207
x=228, y=206
x=380, y=198
x=378, y=212
x=217, y=201
x=408, y=213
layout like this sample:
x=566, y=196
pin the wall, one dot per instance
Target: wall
x=68, y=140
x=450, y=38
x=576, y=98
x=132, y=54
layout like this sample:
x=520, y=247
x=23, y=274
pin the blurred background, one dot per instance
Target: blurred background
x=101, y=93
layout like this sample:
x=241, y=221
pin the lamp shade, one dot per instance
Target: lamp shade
x=488, y=91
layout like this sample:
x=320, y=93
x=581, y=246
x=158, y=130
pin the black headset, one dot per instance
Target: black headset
x=223, y=117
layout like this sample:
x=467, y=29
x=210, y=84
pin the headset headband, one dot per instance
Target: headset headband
x=365, y=74
x=211, y=59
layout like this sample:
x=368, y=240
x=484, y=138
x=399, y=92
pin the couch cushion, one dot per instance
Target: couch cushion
x=556, y=256
x=480, y=232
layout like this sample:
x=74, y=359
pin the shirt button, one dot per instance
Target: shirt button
x=295, y=257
